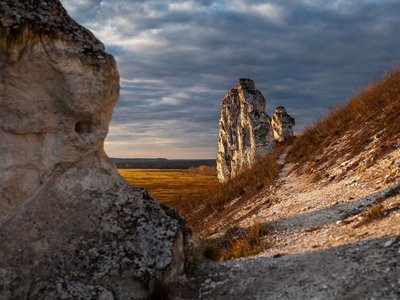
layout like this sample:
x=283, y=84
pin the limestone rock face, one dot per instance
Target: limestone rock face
x=282, y=123
x=70, y=226
x=245, y=130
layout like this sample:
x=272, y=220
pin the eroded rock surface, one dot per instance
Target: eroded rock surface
x=245, y=130
x=282, y=124
x=70, y=226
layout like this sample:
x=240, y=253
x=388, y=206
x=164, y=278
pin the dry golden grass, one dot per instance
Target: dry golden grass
x=189, y=192
x=375, y=212
x=198, y=197
x=169, y=185
x=203, y=170
x=238, y=243
x=248, y=243
x=211, y=201
x=373, y=112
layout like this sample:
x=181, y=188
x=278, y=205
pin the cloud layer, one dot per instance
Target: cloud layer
x=177, y=60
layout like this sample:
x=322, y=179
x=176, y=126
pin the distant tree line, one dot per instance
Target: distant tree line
x=159, y=163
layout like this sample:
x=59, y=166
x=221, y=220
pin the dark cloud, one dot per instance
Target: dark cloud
x=177, y=59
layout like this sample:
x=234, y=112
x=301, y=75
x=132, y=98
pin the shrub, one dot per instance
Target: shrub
x=238, y=243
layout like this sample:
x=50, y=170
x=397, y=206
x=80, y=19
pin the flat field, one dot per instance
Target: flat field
x=169, y=185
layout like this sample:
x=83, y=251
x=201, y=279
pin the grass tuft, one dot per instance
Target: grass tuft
x=374, y=213
x=238, y=243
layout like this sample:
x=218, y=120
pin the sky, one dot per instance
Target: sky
x=177, y=60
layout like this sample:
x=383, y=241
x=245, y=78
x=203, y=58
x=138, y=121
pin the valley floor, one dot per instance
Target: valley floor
x=168, y=185
x=330, y=239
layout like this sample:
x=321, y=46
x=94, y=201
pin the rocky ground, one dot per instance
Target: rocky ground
x=333, y=238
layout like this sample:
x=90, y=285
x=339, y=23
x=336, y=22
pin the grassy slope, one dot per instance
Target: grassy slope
x=211, y=203
x=373, y=113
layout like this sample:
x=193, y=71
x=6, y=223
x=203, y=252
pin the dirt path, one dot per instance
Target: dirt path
x=324, y=243
x=366, y=269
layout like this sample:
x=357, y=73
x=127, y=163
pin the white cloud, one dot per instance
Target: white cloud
x=178, y=58
x=174, y=99
x=189, y=6
x=111, y=34
x=72, y=6
x=270, y=11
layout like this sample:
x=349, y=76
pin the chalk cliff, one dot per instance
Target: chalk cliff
x=245, y=130
x=282, y=124
x=70, y=226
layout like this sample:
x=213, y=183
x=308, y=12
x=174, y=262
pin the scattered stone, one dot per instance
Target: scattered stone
x=390, y=242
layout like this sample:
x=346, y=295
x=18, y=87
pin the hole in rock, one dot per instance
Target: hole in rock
x=83, y=127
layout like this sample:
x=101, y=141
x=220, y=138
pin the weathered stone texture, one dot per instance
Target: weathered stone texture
x=70, y=226
x=245, y=130
x=282, y=123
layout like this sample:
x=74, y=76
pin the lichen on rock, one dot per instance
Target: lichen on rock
x=70, y=226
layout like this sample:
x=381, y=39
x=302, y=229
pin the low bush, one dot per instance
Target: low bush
x=238, y=243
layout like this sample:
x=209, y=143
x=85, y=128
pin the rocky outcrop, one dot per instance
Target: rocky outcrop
x=282, y=123
x=245, y=130
x=70, y=226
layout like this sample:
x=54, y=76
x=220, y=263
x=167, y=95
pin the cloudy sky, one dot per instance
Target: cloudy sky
x=177, y=59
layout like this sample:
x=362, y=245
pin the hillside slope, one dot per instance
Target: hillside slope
x=333, y=213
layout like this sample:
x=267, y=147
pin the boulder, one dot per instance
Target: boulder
x=245, y=130
x=282, y=123
x=70, y=226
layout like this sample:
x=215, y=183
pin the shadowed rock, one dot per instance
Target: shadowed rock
x=245, y=130
x=70, y=226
